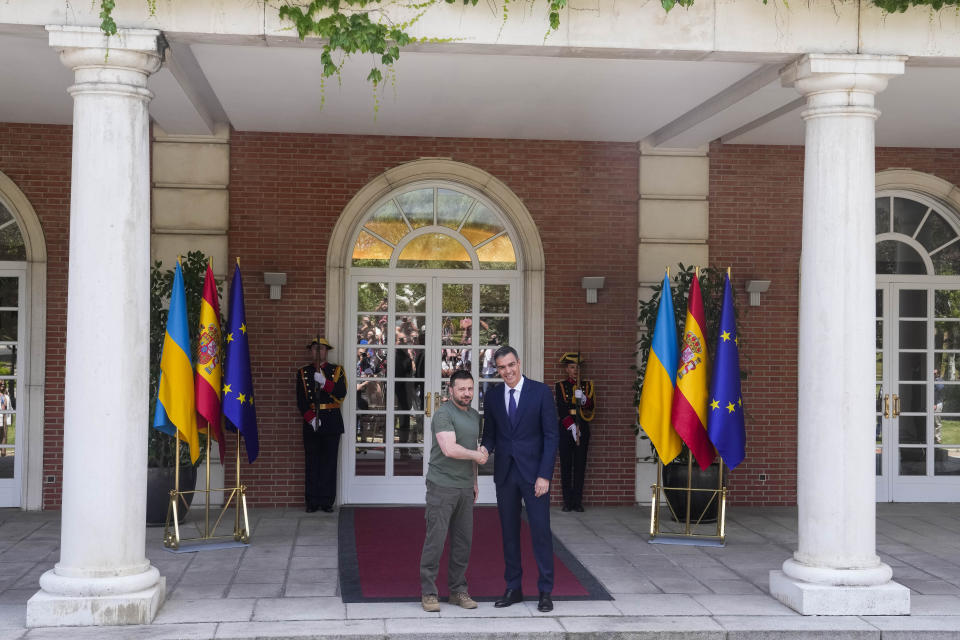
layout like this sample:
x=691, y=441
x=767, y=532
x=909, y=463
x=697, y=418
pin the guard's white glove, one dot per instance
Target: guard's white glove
x=580, y=396
x=315, y=423
x=574, y=433
x=319, y=377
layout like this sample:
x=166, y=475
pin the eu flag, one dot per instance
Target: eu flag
x=238, y=406
x=725, y=419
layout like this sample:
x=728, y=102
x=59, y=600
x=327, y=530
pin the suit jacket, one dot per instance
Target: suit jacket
x=531, y=443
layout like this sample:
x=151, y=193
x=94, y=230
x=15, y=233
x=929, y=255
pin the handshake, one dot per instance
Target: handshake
x=482, y=455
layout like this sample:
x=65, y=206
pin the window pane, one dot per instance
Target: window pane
x=947, y=261
x=913, y=462
x=913, y=429
x=371, y=363
x=371, y=461
x=494, y=330
x=897, y=258
x=408, y=364
x=387, y=222
x=913, y=303
x=8, y=360
x=452, y=207
x=11, y=242
x=418, y=207
x=457, y=298
x=408, y=461
x=9, y=293
x=370, y=329
x=946, y=335
x=8, y=326
x=371, y=252
x=946, y=462
x=913, y=366
x=497, y=254
x=7, y=453
x=482, y=224
x=407, y=395
x=946, y=303
x=456, y=330
x=434, y=251
x=411, y=330
x=494, y=298
x=488, y=368
x=950, y=396
x=371, y=395
x=935, y=232
x=883, y=215
x=913, y=334
x=408, y=430
x=907, y=215
x=879, y=334
x=371, y=428
x=412, y=297
x=372, y=296
x=454, y=360
x=913, y=398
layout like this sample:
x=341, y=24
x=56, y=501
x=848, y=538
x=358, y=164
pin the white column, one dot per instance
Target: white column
x=835, y=570
x=103, y=576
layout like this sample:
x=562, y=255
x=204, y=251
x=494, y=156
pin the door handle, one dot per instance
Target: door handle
x=886, y=405
x=896, y=406
x=428, y=410
x=436, y=398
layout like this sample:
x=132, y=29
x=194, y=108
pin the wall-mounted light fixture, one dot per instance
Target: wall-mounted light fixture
x=276, y=281
x=755, y=288
x=592, y=284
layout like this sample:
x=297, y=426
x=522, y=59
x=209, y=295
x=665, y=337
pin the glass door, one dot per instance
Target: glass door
x=918, y=392
x=11, y=330
x=411, y=334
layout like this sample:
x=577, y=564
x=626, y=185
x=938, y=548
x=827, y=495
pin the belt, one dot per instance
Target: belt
x=332, y=405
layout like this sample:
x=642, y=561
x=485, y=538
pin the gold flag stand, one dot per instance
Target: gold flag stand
x=691, y=529
x=236, y=497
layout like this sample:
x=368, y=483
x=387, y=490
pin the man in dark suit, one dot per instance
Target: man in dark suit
x=520, y=426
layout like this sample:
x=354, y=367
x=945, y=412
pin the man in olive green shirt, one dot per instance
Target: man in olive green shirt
x=451, y=492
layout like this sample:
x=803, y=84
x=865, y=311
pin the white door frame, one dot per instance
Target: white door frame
x=389, y=489
x=11, y=489
x=892, y=487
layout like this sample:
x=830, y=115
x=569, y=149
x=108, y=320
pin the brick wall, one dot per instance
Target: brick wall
x=37, y=159
x=286, y=193
x=756, y=207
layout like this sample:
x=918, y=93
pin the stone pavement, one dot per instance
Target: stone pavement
x=284, y=585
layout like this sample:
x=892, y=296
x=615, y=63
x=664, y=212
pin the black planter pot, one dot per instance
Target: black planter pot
x=702, y=502
x=160, y=482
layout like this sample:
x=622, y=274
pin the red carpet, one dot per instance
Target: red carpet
x=380, y=558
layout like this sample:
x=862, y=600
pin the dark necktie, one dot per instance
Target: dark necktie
x=512, y=407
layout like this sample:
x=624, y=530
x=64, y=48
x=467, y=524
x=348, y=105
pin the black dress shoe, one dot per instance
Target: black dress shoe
x=565, y=509
x=510, y=596
x=545, y=604
x=327, y=509
x=311, y=508
x=578, y=508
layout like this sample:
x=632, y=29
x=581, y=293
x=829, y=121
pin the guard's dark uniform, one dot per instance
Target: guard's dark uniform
x=321, y=446
x=573, y=456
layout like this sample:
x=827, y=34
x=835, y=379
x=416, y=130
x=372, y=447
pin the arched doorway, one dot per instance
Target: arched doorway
x=22, y=349
x=918, y=347
x=444, y=265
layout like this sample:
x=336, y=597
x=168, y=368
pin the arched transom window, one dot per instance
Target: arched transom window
x=434, y=227
x=916, y=236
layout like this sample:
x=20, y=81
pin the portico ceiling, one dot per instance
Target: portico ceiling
x=444, y=93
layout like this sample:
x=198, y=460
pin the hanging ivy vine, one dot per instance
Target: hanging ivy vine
x=362, y=26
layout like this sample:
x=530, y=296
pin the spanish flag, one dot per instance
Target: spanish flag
x=176, y=412
x=659, y=381
x=693, y=374
x=209, y=363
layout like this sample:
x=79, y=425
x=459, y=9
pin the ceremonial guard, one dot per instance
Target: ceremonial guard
x=575, y=409
x=321, y=388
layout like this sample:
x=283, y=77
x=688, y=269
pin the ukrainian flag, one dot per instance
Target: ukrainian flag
x=660, y=380
x=176, y=412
